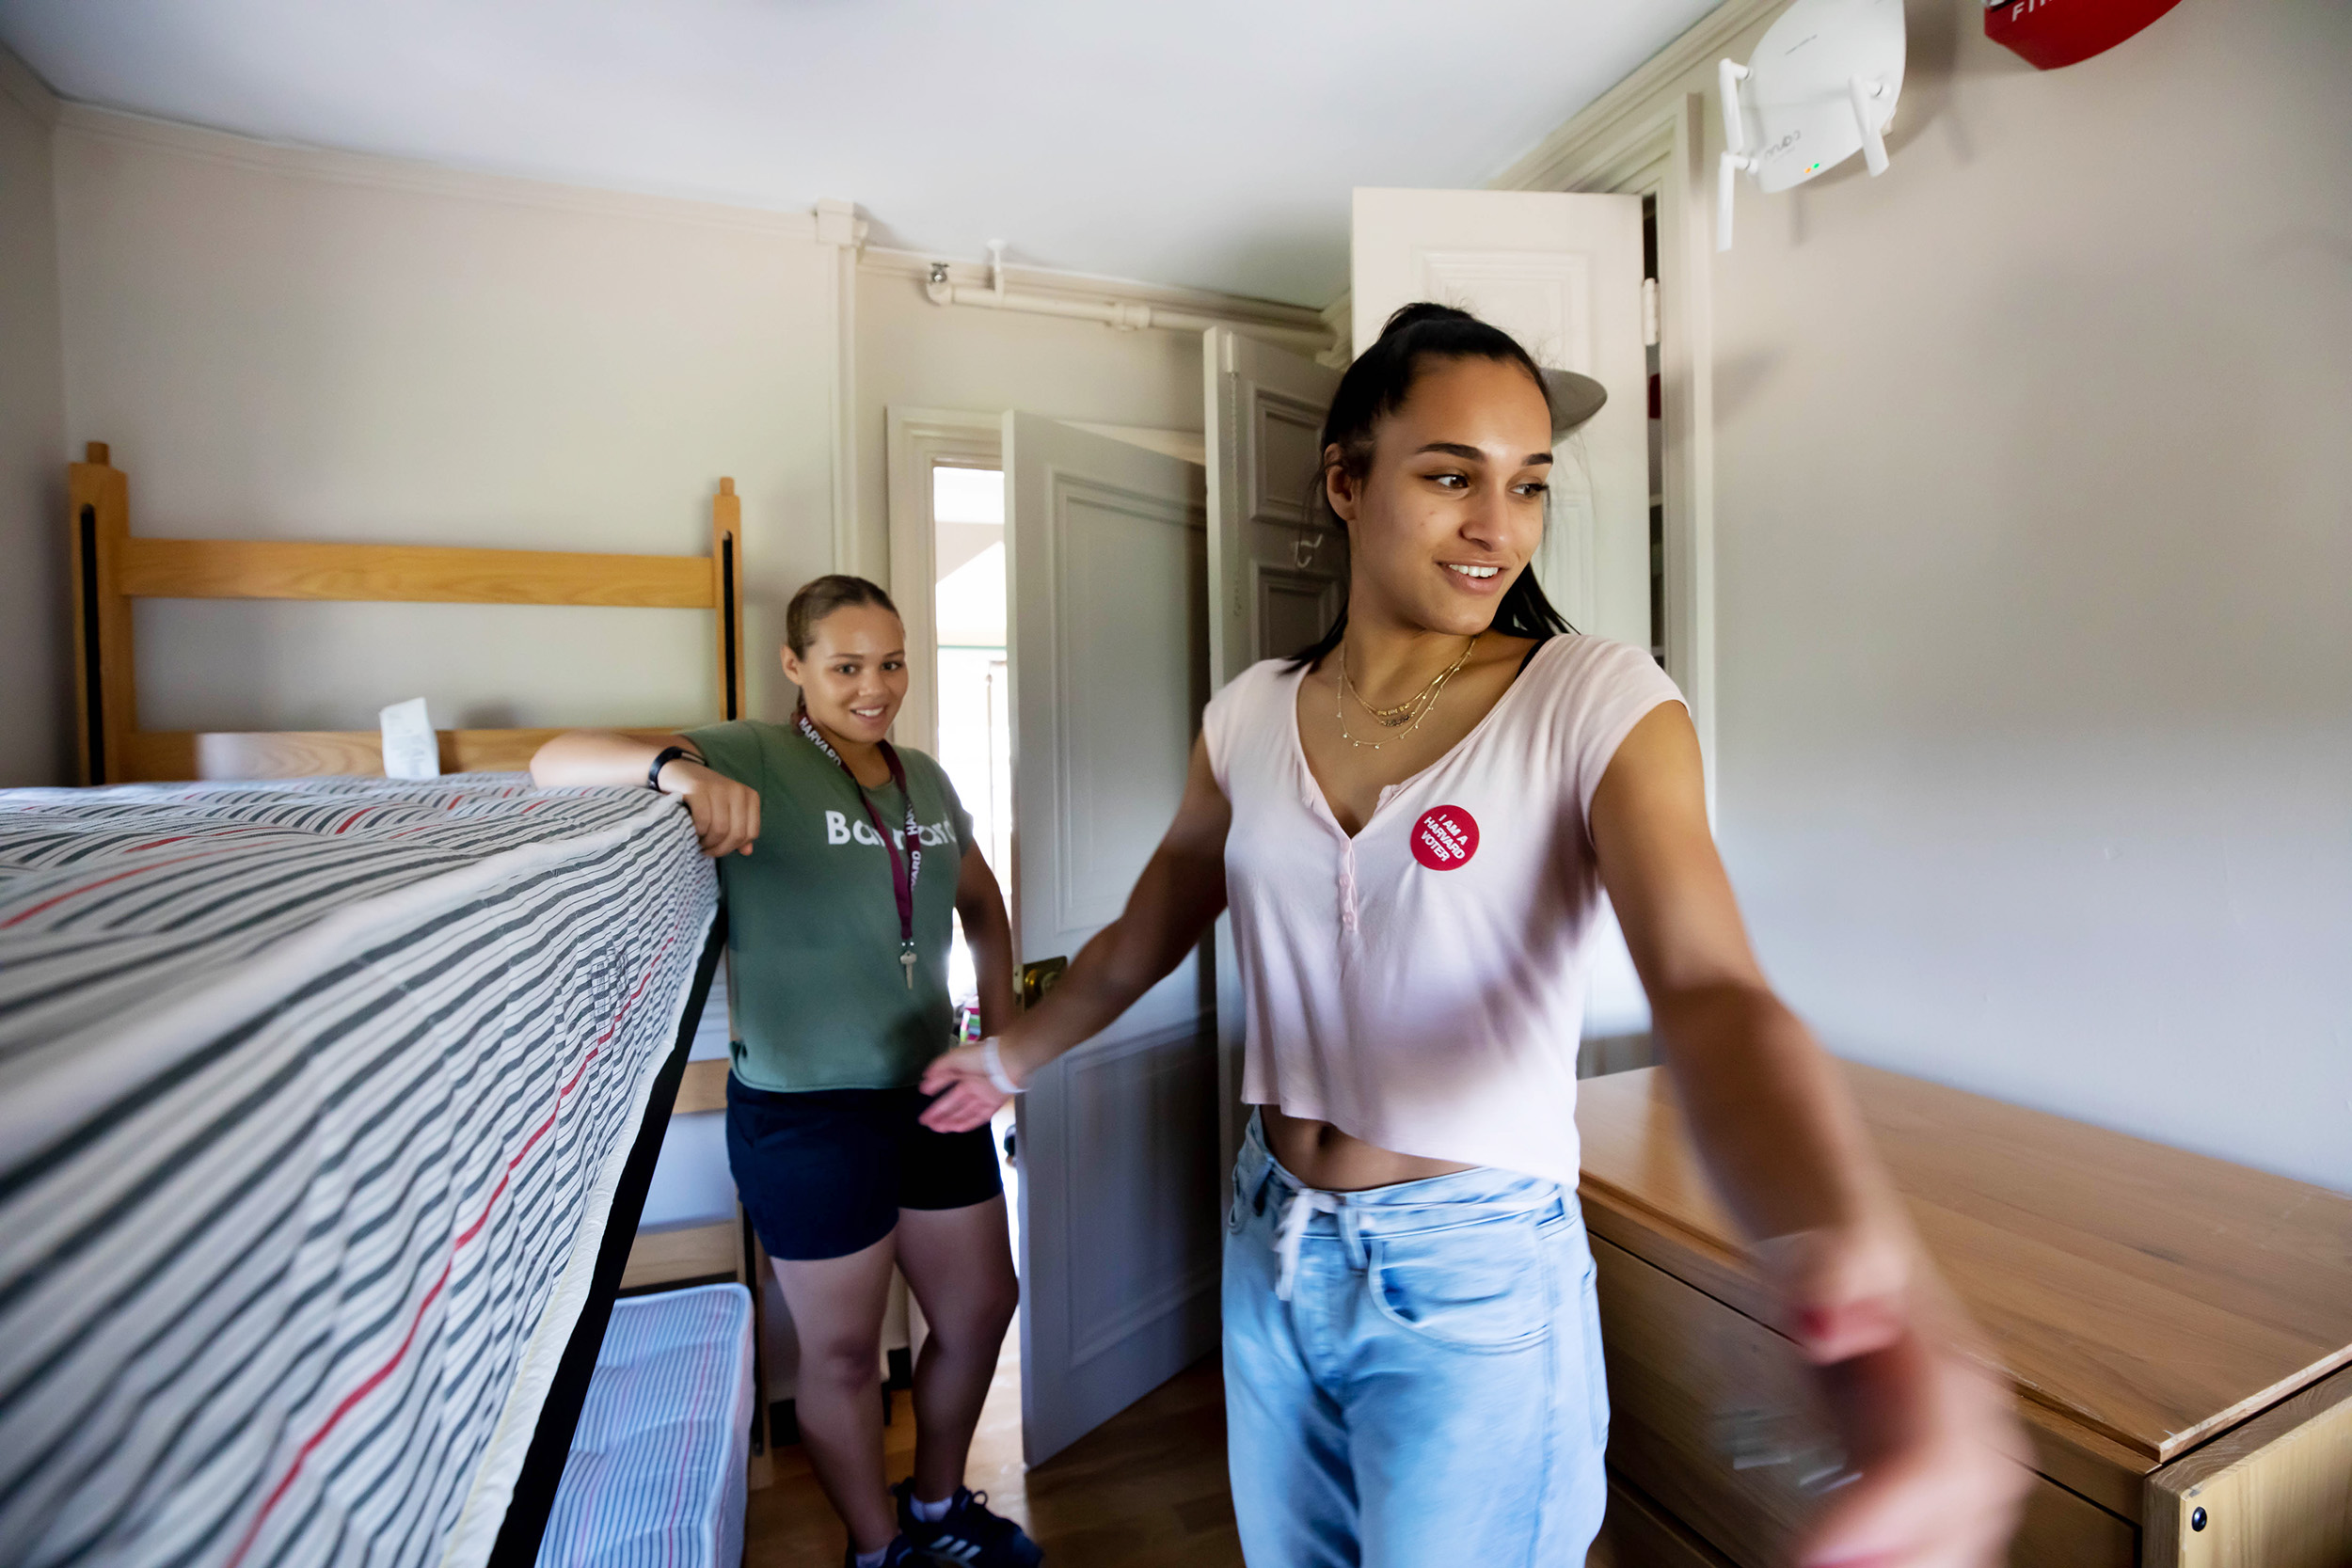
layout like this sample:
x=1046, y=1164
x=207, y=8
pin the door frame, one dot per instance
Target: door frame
x=921, y=439
x=1655, y=151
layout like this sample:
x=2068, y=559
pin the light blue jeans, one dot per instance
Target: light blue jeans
x=1412, y=1374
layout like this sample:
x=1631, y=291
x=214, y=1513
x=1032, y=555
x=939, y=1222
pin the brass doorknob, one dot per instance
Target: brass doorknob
x=1039, y=977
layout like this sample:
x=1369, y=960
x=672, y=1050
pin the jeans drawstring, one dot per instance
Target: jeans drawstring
x=1304, y=1205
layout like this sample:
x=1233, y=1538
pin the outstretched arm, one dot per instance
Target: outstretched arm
x=1181, y=892
x=1933, y=1434
x=726, y=813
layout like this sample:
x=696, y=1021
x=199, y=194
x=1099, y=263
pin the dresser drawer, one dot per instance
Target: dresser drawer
x=2062, y=1529
x=1640, y=1534
x=1689, y=1381
x=1714, y=1416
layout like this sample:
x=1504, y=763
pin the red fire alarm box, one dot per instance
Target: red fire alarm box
x=2052, y=33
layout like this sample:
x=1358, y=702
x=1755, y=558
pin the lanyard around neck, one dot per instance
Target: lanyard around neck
x=903, y=873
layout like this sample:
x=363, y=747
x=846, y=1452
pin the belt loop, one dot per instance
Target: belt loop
x=1265, y=1179
x=1351, y=1234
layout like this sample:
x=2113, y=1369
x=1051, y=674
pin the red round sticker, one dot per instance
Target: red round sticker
x=1445, y=837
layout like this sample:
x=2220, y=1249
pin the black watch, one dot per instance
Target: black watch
x=661, y=759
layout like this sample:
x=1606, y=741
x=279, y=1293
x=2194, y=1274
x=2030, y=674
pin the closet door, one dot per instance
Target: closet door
x=1563, y=273
x=1107, y=562
x=1277, y=571
x=1278, y=566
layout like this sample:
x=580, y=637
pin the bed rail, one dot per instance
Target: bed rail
x=111, y=567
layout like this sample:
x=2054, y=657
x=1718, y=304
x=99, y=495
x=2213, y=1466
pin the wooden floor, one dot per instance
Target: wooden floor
x=1145, y=1490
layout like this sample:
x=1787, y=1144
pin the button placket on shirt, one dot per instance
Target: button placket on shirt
x=1351, y=923
x=1350, y=932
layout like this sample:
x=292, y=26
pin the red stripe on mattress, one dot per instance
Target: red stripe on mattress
x=52, y=902
x=341, y=1409
x=376, y=1379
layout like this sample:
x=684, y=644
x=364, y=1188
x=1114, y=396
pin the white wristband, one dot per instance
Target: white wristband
x=995, y=1066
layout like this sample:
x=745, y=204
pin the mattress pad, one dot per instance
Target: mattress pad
x=313, y=1099
x=656, y=1467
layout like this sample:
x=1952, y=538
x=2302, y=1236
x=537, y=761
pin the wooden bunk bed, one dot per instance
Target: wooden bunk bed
x=111, y=567
x=68, y=846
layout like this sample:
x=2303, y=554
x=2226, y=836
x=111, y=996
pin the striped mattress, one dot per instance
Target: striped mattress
x=655, y=1477
x=312, y=1101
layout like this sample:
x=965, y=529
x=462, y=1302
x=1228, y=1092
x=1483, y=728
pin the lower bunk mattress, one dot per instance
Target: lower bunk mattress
x=314, y=1098
x=657, y=1475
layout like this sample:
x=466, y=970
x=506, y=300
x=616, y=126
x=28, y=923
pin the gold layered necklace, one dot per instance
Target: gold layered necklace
x=1406, y=716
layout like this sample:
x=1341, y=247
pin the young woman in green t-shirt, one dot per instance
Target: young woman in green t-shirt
x=829, y=841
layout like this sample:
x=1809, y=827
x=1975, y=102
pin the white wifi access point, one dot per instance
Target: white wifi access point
x=1821, y=85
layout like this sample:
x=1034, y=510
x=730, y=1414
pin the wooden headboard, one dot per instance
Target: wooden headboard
x=110, y=568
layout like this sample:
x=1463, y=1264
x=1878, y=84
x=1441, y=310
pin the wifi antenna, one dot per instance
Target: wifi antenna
x=1820, y=86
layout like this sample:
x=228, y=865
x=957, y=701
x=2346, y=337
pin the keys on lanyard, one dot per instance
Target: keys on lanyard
x=903, y=876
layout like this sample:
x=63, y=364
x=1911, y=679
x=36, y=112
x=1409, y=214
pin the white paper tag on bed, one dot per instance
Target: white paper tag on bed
x=410, y=748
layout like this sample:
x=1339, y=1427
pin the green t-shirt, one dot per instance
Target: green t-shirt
x=819, y=998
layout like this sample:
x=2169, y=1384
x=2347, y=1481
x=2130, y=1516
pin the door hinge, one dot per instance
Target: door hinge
x=1649, y=312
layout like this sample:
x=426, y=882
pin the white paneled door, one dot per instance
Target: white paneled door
x=1278, y=573
x=1107, y=562
x=1563, y=273
x=1279, y=565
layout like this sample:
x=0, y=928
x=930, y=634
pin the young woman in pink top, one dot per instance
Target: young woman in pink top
x=1412, y=824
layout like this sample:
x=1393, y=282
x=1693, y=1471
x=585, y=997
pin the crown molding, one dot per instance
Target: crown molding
x=1238, y=309
x=294, y=160
x=1338, y=318
x=839, y=224
x=1593, y=131
x=24, y=84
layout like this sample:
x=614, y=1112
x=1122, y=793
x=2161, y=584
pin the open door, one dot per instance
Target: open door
x=1278, y=573
x=1563, y=273
x=1108, y=576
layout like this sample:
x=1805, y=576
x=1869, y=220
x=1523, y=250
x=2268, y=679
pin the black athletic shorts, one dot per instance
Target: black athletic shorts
x=824, y=1172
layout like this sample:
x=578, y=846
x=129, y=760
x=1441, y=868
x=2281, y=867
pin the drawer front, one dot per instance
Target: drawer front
x=1640, y=1534
x=1714, y=1416
x=1689, y=1382
x=2063, y=1530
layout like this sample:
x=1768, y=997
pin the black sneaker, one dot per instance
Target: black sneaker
x=969, y=1536
x=899, y=1553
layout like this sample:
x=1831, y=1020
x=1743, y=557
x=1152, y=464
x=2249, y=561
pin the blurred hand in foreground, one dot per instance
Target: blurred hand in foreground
x=1937, y=1455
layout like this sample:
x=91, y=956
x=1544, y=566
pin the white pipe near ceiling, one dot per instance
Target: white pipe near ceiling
x=1122, y=316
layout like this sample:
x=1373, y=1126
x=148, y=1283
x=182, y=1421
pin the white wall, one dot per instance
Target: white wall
x=2034, y=581
x=293, y=344
x=36, y=657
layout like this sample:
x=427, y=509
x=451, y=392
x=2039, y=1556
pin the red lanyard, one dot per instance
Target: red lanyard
x=902, y=874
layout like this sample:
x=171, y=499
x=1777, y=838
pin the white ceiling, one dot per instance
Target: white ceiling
x=1211, y=142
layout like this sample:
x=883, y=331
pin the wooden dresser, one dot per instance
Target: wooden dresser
x=2180, y=1331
